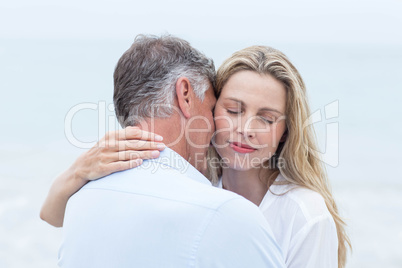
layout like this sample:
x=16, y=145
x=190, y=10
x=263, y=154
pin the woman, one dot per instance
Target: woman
x=263, y=150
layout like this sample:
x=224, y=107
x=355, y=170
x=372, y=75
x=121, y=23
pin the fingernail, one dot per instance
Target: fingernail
x=161, y=146
x=155, y=153
x=139, y=161
x=158, y=138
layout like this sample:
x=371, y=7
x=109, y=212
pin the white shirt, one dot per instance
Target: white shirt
x=302, y=225
x=164, y=214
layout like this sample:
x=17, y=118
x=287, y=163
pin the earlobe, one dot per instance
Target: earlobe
x=184, y=96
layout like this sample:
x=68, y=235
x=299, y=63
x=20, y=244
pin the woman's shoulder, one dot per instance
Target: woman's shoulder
x=302, y=224
x=310, y=204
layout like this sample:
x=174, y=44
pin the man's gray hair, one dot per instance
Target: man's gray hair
x=145, y=77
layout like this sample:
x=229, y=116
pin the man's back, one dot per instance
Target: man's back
x=164, y=214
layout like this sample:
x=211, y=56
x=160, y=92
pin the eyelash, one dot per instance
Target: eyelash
x=262, y=118
x=266, y=120
x=232, y=112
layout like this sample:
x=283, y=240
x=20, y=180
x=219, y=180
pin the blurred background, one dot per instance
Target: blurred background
x=55, y=55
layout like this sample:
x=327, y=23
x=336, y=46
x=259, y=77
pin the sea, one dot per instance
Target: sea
x=56, y=102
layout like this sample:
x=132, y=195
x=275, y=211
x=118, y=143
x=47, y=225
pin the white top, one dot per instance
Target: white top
x=164, y=214
x=302, y=225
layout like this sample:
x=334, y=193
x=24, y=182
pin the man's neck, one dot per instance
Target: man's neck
x=172, y=131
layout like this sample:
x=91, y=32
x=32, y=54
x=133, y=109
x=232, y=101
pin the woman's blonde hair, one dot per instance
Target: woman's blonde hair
x=303, y=166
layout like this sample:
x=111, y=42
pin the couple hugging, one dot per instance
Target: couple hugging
x=210, y=170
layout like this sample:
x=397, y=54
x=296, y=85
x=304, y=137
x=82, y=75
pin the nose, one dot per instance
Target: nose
x=245, y=128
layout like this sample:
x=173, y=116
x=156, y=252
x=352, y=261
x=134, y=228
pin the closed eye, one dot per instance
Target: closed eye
x=233, y=112
x=266, y=120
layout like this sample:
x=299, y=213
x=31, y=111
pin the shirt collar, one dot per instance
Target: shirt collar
x=170, y=158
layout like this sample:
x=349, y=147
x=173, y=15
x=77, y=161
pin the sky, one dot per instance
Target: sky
x=311, y=21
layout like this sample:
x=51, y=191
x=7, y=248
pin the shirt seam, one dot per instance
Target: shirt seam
x=160, y=163
x=181, y=171
x=302, y=206
x=310, y=223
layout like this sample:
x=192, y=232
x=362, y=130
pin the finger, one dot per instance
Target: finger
x=132, y=155
x=134, y=133
x=140, y=145
x=123, y=165
x=109, y=140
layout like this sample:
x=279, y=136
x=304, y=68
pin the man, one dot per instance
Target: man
x=165, y=212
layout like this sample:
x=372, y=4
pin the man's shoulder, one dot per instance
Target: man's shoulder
x=186, y=216
x=167, y=184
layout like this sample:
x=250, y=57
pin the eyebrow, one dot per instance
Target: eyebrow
x=265, y=109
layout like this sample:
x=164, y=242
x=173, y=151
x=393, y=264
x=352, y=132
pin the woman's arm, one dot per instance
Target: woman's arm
x=117, y=151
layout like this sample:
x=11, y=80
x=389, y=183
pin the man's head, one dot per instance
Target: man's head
x=145, y=77
x=161, y=78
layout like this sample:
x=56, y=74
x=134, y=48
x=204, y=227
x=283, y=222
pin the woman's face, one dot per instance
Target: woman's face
x=249, y=119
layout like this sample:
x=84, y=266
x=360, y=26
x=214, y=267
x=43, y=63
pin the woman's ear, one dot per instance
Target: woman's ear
x=184, y=96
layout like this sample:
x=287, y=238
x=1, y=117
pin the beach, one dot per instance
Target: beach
x=44, y=80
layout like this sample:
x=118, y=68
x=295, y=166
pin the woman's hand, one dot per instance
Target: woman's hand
x=117, y=151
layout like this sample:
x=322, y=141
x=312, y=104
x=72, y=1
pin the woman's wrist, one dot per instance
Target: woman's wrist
x=75, y=178
x=80, y=171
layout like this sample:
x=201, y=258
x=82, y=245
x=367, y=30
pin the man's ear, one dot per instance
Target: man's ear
x=184, y=96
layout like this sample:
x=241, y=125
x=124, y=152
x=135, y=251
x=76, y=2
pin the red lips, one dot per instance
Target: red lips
x=241, y=148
